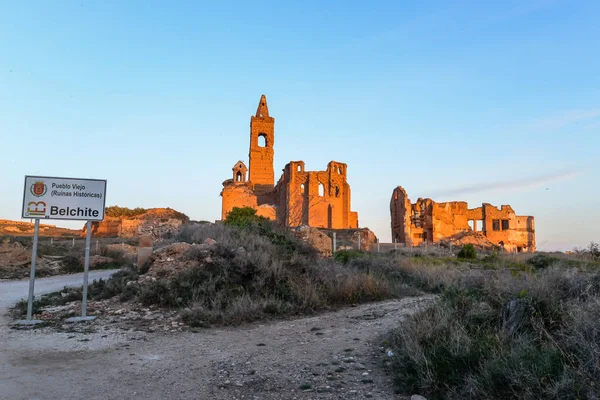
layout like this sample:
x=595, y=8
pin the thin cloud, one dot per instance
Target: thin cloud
x=526, y=183
x=593, y=125
x=564, y=119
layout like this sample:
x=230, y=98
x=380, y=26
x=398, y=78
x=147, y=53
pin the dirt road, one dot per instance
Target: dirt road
x=330, y=356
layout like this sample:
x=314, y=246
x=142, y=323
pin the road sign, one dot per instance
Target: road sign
x=47, y=197
x=64, y=198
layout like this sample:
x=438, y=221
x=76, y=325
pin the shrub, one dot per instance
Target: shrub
x=71, y=265
x=101, y=289
x=260, y=270
x=540, y=261
x=462, y=347
x=243, y=217
x=467, y=252
x=116, y=211
x=344, y=256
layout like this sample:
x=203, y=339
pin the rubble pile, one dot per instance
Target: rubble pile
x=158, y=223
x=313, y=236
x=15, y=262
x=170, y=259
x=477, y=239
x=164, y=263
x=126, y=316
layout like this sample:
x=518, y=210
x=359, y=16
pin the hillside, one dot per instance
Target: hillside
x=19, y=228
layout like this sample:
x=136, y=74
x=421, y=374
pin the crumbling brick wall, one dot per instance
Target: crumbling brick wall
x=428, y=221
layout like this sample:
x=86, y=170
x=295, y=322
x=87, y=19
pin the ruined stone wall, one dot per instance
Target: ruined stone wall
x=426, y=220
x=400, y=211
x=353, y=221
x=503, y=226
x=448, y=219
x=242, y=195
x=110, y=227
x=348, y=238
x=319, y=199
x=497, y=222
x=156, y=222
x=316, y=198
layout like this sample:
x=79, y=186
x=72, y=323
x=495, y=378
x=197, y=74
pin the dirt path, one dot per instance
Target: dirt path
x=330, y=356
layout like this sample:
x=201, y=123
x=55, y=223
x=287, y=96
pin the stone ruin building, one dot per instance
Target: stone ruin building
x=429, y=222
x=320, y=199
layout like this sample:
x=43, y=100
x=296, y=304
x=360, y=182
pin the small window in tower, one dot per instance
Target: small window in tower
x=299, y=168
x=238, y=176
x=340, y=170
x=321, y=190
x=262, y=140
x=302, y=188
x=337, y=191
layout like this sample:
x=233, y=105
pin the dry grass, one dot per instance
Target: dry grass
x=461, y=348
x=263, y=271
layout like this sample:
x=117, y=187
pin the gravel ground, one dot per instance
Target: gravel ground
x=335, y=355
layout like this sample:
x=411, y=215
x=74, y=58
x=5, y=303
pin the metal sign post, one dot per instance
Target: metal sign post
x=64, y=199
x=88, y=236
x=86, y=267
x=29, y=320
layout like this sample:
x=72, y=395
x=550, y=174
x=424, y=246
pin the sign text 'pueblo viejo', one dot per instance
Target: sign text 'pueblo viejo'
x=64, y=198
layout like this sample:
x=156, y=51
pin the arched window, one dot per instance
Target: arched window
x=321, y=189
x=299, y=168
x=302, y=188
x=262, y=140
x=238, y=176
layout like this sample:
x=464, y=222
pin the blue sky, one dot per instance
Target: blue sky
x=493, y=102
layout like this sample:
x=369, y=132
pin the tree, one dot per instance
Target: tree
x=243, y=217
x=468, y=252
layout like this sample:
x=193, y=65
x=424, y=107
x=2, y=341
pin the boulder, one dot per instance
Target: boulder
x=513, y=315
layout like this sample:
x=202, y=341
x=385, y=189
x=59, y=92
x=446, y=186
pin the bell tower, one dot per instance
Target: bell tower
x=262, y=136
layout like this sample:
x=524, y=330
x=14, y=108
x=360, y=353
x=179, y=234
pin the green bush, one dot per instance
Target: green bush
x=467, y=252
x=116, y=211
x=243, y=217
x=71, y=265
x=344, y=256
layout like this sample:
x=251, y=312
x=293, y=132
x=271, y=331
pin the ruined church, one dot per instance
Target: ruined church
x=427, y=221
x=320, y=199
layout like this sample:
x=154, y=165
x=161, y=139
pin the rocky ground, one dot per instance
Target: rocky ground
x=15, y=261
x=131, y=351
x=336, y=355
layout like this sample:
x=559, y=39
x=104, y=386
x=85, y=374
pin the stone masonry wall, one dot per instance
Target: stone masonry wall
x=426, y=220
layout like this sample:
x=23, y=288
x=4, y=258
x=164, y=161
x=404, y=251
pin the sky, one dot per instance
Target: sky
x=495, y=102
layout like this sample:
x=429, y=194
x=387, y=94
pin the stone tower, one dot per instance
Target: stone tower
x=262, y=137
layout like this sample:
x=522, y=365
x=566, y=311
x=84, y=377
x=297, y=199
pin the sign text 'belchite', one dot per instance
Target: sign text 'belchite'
x=64, y=198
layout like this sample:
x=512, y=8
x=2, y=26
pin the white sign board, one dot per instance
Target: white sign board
x=64, y=198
